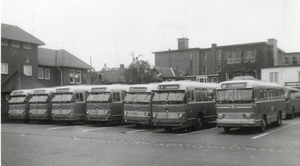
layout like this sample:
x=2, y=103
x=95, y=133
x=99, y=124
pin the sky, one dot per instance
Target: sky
x=109, y=32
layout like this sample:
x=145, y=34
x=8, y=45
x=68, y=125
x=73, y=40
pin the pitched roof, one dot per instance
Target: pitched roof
x=15, y=33
x=49, y=57
x=12, y=83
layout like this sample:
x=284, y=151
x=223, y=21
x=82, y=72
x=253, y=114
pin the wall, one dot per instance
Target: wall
x=285, y=74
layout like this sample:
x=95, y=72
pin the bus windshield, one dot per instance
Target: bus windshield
x=137, y=98
x=99, y=97
x=17, y=99
x=39, y=98
x=174, y=97
x=235, y=96
x=62, y=97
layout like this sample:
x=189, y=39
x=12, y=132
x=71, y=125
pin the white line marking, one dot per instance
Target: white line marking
x=274, y=130
x=134, y=131
x=101, y=128
x=58, y=128
x=195, y=132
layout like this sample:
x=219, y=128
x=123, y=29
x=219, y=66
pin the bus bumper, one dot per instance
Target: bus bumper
x=238, y=122
x=138, y=120
x=169, y=122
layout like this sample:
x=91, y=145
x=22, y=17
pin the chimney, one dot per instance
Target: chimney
x=183, y=43
x=273, y=42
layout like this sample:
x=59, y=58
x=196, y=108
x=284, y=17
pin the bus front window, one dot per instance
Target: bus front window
x=39, y=99
x=234, y=96
x=63, y=97
x=168, y=97
x=98, y=97
x=17, y=99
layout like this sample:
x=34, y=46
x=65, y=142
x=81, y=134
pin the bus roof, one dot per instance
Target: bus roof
x=249, y=84
x=142, y=87
x=293, y=90
x=21, y=92
x=185, y=84
x=73, y=88
x=108, y=88
x=44, y=90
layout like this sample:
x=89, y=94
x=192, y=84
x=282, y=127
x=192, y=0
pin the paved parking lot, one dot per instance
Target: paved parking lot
x=119, y=144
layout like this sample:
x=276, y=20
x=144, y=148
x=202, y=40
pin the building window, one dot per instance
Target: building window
x=230, y=57
x=246, y=56
x=294, y=61
x=15, y=44
x=78, y=76
x=286, y=60
x=204, y=56
x=72, y=76
x=219, y=53
x=203, y=70
x=4, y=42
x=238, y=57
x=47, y=74
x=253, y=56
x=41, y=73
x=4, y=68
x=27, y=70
x=27, y=46
x=274, y=77
x=219, y=69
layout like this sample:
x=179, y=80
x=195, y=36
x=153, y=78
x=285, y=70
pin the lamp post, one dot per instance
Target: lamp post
x=27, y=61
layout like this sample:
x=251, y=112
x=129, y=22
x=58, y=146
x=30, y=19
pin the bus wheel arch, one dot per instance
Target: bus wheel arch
x=199, y=122
x=263, y=124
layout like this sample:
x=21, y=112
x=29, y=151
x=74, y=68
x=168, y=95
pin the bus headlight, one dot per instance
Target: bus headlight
x=181, y=115
x=220, y=116
x=154, y=115
x=247, y=116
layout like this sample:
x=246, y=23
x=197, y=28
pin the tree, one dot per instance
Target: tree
x=139, y=71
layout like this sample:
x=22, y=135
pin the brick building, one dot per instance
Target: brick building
x=221, y=63
x=26, y=66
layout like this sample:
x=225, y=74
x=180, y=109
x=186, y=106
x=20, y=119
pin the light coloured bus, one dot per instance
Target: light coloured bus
x=249, y=103
x=183, y=104
x=105, y=103
x=69, y=103
x=40, y=104
x=18, y=105
x=138, y=104
x=293, y=102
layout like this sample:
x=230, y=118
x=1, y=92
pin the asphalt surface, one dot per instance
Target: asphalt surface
x=118, y=144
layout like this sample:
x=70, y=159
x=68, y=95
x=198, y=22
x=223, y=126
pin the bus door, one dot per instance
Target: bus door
x=80, y=106
x=117, y=104
x=193, y=104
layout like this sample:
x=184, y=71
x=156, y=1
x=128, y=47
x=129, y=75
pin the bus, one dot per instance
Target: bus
x=69, y=103
x=40, y=104
x=182, y=104
x=138, y=104
x=293, y=102
x=105, y=103
x=249, y=103
x=18, y=105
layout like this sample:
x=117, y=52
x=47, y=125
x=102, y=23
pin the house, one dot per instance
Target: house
x=169, y=73
x=59, y=67
x=113, y=75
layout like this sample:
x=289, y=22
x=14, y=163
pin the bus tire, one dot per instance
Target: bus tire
x=168, y=129
x=199, y=123
x=263, y=125
x=278, y=122
x=226, y=129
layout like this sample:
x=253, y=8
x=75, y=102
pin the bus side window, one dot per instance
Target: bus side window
x=204, y=94
x=198, y=95
x=210, y=95
x=191, y=95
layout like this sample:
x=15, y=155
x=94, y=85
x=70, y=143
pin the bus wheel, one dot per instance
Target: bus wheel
x=278, y=122
x=168, y=129
x=263, y=125
x=226, y=129
x=199, y=123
